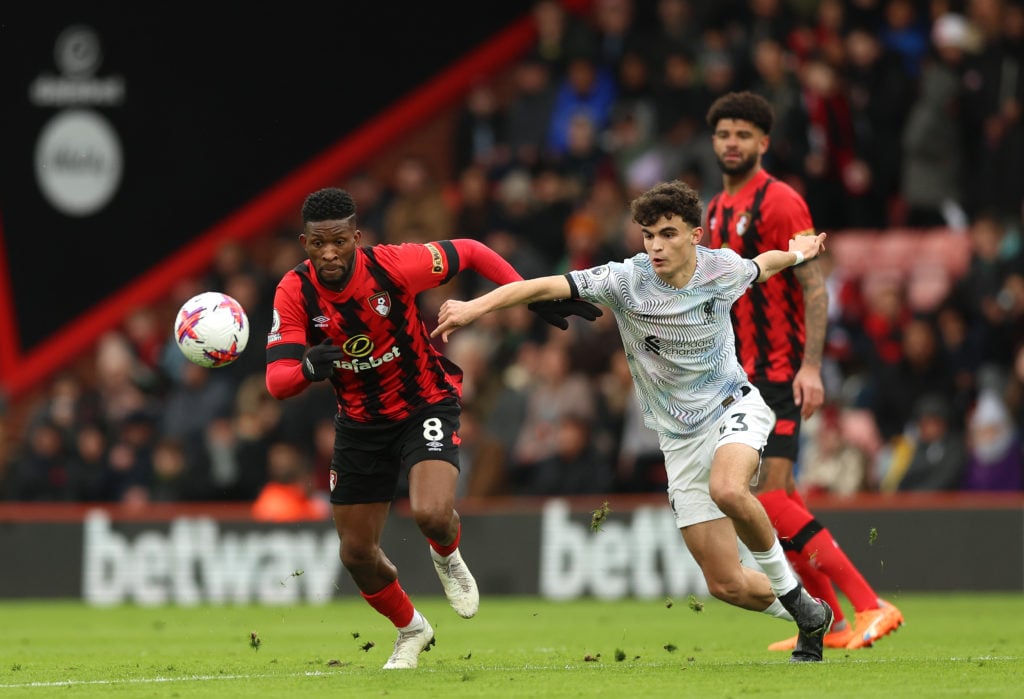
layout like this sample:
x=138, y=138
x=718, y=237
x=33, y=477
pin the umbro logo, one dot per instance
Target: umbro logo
x=652, y=344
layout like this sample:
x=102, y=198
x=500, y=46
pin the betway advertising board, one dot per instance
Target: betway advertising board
x=553, y=552
x=198, y=560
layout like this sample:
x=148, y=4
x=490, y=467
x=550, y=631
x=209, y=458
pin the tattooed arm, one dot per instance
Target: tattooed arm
x=808, y=390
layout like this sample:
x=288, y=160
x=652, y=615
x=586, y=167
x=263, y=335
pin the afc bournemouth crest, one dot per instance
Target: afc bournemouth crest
x=381, y=303
x=743, y=223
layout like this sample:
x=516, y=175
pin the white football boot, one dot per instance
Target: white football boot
x=459, y=585
x=408, y=647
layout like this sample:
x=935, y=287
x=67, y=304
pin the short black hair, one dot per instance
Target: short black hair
x=329, y=204
x=747, y=106
x=675, y=198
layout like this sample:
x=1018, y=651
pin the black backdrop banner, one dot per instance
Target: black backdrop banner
x=130, y=129
x=547, y=548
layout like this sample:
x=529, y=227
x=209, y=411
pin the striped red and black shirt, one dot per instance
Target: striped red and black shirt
x=390, y=369
x=769, y=319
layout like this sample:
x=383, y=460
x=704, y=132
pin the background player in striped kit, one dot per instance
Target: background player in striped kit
x=780, y=336
x=671, y=304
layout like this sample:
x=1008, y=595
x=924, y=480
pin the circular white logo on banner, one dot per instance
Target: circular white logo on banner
x=78, y=162
x=78, y=51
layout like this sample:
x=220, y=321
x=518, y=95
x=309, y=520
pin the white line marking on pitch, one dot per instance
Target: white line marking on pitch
x=319, y=673
x=157, y=680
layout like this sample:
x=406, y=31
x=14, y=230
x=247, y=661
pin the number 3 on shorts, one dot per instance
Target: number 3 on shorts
x=736, y=423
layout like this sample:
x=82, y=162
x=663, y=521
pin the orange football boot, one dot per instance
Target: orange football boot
x=873, y=624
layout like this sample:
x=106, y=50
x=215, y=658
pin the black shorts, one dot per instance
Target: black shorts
x=784, y=439
x=368, y=460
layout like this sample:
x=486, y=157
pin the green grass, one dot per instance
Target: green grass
x=952, y=646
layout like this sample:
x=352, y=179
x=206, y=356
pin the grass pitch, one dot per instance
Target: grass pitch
x=969, y=645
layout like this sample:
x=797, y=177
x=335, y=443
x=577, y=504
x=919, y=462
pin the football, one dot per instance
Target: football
x=211, y=329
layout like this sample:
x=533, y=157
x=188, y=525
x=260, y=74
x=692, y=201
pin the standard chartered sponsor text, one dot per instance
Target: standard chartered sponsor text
x=689, y=348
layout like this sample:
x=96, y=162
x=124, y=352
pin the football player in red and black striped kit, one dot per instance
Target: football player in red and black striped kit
x=780, y=336
x=348, y=315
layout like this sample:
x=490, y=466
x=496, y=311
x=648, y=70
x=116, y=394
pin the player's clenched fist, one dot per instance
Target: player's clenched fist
x=318, y=360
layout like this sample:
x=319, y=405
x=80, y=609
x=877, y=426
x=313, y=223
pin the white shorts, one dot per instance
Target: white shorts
x=688, y=461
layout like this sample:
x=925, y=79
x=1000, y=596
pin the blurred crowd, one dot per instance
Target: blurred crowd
x=890, y=115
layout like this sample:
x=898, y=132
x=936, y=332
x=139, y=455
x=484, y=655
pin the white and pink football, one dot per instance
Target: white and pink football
x=211, y=329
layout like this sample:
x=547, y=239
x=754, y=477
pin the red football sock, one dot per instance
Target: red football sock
x=799, y=531
x=817, y=584
x=393, y=603
x=786, y=516
x=789, y=520
x=450, y=548
x=857, y=584
x=824, y=552
x=798, y=499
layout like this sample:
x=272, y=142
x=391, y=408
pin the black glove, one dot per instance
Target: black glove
x=556, y=312
x=318, y=360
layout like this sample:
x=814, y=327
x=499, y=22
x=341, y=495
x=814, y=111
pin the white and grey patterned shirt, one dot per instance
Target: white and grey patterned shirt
x=679, y=342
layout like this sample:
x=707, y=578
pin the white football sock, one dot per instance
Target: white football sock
x=776, y=610
x=415, y=625
x=774, y=564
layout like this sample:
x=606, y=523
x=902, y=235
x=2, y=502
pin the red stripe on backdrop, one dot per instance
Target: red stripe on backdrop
x=20, y=373
x=9, y=342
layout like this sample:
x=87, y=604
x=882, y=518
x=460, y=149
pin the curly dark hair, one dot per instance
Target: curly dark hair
x=746, y=106
x=669, y=199
x=329, y=204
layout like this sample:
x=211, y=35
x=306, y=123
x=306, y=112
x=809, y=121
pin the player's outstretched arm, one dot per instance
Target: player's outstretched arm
x=456, y=314
x=801, y=249
x=482, y=259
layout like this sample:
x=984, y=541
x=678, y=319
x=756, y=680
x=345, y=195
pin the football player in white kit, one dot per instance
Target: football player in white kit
x=672, y=304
